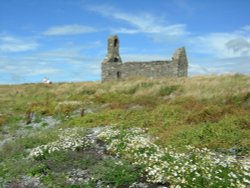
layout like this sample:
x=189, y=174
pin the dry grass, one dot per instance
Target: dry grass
x=166, y=106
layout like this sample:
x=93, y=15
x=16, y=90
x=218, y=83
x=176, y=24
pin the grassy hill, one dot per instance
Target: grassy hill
x=202, y=112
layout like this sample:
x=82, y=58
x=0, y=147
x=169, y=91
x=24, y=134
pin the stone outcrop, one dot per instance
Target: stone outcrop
x=114, y=69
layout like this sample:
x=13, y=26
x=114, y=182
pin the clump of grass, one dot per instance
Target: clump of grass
x=38, y=169
x=87, y=92
x=104, y=117
x=42, y=107
x=119, y=173
x=242, y=122
x=3, y=120
x=111, y=97
x=209, y=113
x=146, y=100
x=167, y=90
x=65, y=161
x=66, y=108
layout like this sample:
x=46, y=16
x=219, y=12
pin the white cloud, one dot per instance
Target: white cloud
x=61, y=64
x=69, y=30
x=21, y=69
x=194, y=69
x=219, y=66
x=14, y=44
x=216, y=44
x=221, y=45
x=239, y=45
x=43, y=71
x=142, y=22
x=59, y=54
x=246, y=28
x=125, y=31
x=184, y=5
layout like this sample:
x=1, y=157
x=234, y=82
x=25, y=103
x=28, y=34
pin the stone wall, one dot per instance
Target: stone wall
x=153, y=69
x=114, y=69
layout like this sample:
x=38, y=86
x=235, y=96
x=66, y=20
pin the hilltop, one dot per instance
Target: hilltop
x=199, y=112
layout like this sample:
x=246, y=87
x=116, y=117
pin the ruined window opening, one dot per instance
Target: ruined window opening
x=115, y=42
x=118, y=74
x=115, y=59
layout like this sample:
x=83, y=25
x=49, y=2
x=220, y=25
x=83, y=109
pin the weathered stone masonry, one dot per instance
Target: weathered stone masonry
x=113, y=68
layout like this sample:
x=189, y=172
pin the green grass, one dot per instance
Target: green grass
x=168, y=107
x=224, y=134
x=117, y=173
x=209, y=111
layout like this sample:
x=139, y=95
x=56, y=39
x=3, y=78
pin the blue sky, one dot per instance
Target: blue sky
x=66, y=40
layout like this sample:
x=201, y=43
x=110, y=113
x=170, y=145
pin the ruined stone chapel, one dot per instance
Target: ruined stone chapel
x=114, y=69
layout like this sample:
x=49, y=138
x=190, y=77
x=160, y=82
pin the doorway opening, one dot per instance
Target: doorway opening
x=118, y=75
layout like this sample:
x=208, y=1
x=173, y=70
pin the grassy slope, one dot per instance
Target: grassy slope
x=212, y=111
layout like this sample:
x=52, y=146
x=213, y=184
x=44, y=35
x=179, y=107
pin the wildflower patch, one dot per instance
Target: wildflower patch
x=69, y=139
x=195, y=168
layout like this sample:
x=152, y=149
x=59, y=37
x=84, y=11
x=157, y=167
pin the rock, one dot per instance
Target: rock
x=80, y=179
x=78, y=176
x=138, y=185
